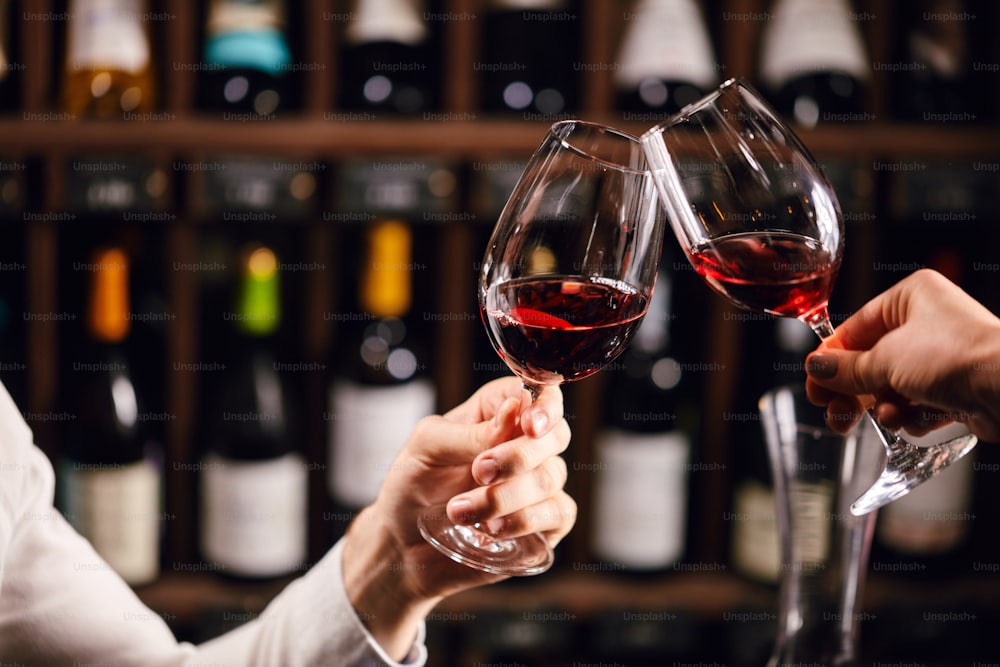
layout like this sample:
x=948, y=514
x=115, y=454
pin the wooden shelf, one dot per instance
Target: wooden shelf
x=466, y=139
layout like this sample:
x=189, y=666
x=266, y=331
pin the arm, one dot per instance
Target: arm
x=393, y=576
x=928, y=353
x=61, y=604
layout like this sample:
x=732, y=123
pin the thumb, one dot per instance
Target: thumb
x=439, y=441
x=851, y=372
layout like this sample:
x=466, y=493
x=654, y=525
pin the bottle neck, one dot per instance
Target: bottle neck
x=108, y=313
x=258, y=308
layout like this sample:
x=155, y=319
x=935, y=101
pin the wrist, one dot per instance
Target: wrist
x=376, y=581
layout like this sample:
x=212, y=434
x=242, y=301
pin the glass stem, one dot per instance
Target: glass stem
x=819, y=322
x=533, y=389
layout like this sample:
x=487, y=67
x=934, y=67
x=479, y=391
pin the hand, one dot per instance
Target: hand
x=494, y=459
x=928, y=352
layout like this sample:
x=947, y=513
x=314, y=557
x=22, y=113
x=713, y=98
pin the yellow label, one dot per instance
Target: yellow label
x=385, y=284
x=109, y=305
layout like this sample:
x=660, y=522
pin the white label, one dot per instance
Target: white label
x=368, y=427
x=108, y=33
x=234, y=15
x=254, y=514
x=537, y=5
x=807, y=36
x=117, y=508
x=640, y=498
x=388, y=21
x=668, y=40
x=933, y=517
x=755, y=546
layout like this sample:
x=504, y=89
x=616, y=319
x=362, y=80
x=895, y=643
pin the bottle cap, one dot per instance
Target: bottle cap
x=109, y=298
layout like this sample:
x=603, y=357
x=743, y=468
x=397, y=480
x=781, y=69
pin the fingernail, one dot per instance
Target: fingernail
x=822, y=366
x=486, y=470
x=540, y=421
x=460, y=509
x=494, y=526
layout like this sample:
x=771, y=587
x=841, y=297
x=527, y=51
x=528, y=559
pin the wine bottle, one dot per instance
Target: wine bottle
x=935, y=46
x=109, y=70
x=665, y=60
x=923, y=532
x=642, y=453
x=254, y=480
x=246, y=59
x=111, y=483
x=813, y=63
x=530, y=48
x=381, y=389
x=387, y=60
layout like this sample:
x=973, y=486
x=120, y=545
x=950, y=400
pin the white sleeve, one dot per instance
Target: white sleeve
x=61, y=604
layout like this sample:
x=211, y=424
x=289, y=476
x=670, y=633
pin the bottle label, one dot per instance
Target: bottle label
x=756, y=547
x=367, y=428
x=809, y=36
x=536, y=5
x=254, y=514
x=236, y=15
x=108, y=34
x=640, y=498
x=666, y=40
x=399, y=21
x=117, y=508
x=934, y=517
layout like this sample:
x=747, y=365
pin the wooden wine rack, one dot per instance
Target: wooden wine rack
x=461, y=134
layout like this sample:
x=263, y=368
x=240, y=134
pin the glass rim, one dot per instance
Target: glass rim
x=798, y=390
x=738, y=82
x=554, y=132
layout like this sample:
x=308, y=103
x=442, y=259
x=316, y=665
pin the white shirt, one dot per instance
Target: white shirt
x=61, y=604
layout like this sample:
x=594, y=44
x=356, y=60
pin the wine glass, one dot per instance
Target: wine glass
x=567, y=275
x=761, y=224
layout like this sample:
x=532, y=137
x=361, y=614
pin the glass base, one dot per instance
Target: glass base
x=909, y=465
x=469, y=545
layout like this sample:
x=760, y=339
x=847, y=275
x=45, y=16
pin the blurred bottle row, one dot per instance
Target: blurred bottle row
x=529, y=58
x=149, y=334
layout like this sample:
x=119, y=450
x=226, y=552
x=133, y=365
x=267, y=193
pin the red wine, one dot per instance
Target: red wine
x=561, y=328
x=781, y=273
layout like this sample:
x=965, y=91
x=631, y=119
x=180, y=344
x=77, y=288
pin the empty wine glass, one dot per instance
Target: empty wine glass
x=567, y=275
x=761, y=224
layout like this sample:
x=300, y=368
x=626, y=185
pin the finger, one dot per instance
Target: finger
x=486, y=401
x=842, y=413
x=818, y=394
x=498, y=500
x=553, y=518
x=518, y=456
x=544, y=413
x=438, y=441
x=918, y=420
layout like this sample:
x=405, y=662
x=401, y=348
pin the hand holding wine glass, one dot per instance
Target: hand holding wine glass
x=565, y=282
x=761, y=224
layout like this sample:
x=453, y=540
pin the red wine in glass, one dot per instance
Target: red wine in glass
x=556, y=329
x=761, y=224
x=784, y=274
x=563, y=286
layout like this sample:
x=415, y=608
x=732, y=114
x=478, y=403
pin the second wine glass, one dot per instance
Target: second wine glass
x=761, y=224
x=564, y=284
